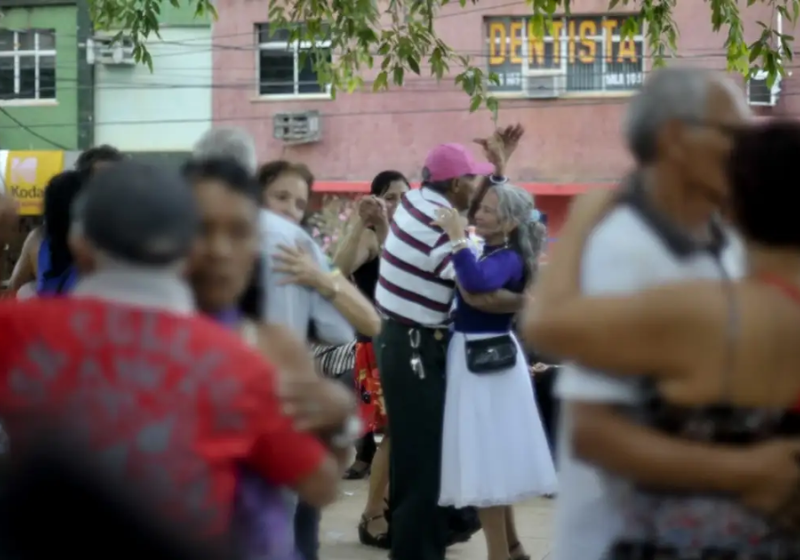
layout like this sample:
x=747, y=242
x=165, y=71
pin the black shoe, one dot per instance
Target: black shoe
x=354, y=473
x=381, y=540
x=457, y=537
x=462, y=524
x=516, y=547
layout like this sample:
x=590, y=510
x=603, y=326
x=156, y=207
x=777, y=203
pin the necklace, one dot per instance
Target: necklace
x=502, y=247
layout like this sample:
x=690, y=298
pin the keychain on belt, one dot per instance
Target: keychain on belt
x=416, y=360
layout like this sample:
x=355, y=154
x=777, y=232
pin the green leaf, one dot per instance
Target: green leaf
x=402, y=34
x=397, y=75
x=381, y=82
x=475, y=105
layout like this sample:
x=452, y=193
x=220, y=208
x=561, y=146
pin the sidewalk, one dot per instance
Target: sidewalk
x=340, y=541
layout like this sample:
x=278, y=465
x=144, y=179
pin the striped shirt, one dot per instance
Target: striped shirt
x=416, y=280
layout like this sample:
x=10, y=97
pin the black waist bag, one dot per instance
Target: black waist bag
x=491, y=355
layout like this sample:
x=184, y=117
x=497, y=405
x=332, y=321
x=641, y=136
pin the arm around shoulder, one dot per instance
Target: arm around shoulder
x=602, y=436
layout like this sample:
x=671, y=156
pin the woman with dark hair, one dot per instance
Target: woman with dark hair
x=224, y=275
x=494, y=448
x=358, y=256
x=286, y=188
x=94, y=159
x=721, y=358
x=27, y=268
x=56, y=273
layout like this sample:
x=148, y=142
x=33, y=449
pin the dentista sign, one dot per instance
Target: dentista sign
x=588, y=50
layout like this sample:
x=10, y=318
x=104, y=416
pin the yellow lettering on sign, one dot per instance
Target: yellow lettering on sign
x=571, y=42
x=627, y=50
x=609, y=25
x=588, y=46
x=557, y=27
x=515, y=38
x=535, y=47
x=27, y=174
x=497, y=43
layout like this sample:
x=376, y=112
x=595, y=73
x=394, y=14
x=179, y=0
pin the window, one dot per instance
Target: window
x=27, y=64
x=581, y=53
x=286, y=68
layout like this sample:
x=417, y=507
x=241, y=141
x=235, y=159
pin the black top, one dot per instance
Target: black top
x=366, y=279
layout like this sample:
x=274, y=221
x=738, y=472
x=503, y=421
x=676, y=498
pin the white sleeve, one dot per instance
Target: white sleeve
x=441, y=261
x=330, y=326
x=607, y=268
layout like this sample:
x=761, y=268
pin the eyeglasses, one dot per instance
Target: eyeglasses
x=725, y=128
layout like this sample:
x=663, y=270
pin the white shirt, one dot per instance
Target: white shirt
x=290, y=305
x=415, y=283
x=623, y=254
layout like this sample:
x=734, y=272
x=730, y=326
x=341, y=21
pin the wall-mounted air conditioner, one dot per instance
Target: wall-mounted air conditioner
x=544, y=84
x=758, y=91
x=110, y=52
x=297, y=128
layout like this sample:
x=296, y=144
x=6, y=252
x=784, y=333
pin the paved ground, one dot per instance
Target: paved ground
x=340, y=541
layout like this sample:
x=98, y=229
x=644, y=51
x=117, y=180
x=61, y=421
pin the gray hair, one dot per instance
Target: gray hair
x=516, y=205
x=228, y=142
x=668, y=94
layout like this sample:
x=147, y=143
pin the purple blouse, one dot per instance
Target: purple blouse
x=262, y=514
x=499, y=269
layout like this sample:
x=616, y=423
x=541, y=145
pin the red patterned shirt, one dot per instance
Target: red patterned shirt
x=173, y=401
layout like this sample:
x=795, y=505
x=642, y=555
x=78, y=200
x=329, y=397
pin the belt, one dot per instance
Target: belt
x=412, y=325
x=649, y=551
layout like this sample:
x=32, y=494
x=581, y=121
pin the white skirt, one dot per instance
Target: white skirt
x=494, y=448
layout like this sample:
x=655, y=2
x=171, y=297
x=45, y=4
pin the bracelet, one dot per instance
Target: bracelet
x=458, y=244
x=335, y=274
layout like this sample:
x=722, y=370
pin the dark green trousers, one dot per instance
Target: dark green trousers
x=415, y=409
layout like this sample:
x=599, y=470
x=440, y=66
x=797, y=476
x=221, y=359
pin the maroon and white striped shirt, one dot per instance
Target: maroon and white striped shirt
x=416, y=281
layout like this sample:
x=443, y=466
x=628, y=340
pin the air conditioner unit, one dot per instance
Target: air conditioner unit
x=297, y=128
x=759, y=93
x=544, y=84
x=110, y=52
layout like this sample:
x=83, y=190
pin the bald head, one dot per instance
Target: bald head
x=228, y=142
x=679, y=94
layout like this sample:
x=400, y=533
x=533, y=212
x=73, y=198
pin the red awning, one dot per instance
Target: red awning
x=547, y=189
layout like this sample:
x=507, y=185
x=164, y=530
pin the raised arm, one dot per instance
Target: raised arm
x=358, y=245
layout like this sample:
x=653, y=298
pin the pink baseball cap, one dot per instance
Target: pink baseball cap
x=450, y=161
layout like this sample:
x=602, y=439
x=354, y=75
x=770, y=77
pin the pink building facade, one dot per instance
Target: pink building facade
x=568, y=90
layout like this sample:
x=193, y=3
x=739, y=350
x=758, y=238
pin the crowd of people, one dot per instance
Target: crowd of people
x=168, y=318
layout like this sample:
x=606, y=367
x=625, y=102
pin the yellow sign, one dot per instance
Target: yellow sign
x=583, y=40
x=27, y=174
